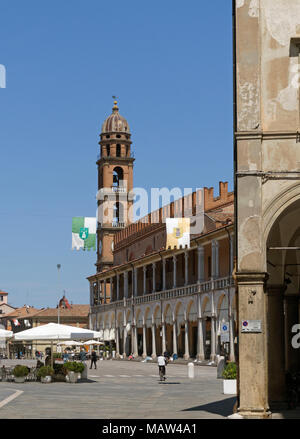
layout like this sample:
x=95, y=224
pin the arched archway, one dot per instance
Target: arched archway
x=139, y=326
x=207, y=333
x=118, y=176
x=158, y=329
x=192, y=317
x=168, y=318
x=180, y=320
x=283, y=297
x=148, y=324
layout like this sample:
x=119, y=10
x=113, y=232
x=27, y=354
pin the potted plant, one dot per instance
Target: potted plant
x=20, y=372
x=60, y=372
x=74, y=369
x=229, y=381
x=45, y=374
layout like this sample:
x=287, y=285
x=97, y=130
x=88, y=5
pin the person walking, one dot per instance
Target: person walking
x=93, y=359
x=82, y=355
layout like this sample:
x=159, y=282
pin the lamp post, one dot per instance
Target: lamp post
x=58, y=270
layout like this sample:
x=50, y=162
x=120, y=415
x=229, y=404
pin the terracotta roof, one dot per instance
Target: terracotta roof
x=23, y=312
x=3, y=293
x=74, y=311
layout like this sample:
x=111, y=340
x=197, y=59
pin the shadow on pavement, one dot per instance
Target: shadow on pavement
x=224, y=407
x=169, y=382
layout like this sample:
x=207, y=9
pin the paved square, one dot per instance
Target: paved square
x=122, y=389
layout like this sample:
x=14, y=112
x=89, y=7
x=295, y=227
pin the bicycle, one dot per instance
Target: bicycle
x=162, y=373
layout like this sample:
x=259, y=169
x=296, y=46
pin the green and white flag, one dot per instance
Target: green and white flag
x=84, y=233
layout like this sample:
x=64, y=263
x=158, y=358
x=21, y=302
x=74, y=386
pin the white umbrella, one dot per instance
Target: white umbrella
x=70, y=343
x=5, y=334
x=55, y=331
x=91, y=342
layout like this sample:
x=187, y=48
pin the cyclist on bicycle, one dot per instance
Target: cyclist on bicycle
x=162, y=361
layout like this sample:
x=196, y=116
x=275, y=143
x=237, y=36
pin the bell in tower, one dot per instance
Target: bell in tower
x=115, y=181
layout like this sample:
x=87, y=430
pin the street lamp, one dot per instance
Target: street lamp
x=58, y=270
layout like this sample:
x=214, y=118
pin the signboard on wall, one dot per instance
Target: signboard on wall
x=225, y=332
x=251, y=326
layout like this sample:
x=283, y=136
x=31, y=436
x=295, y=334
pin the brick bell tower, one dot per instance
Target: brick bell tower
x=115, y=180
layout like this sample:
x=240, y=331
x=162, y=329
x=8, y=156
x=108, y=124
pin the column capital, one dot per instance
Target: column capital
x=251, y=278
x=144, y=268
x=174, y=258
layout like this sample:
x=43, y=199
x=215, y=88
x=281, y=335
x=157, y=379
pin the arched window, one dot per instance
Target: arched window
x=117, y=176
x=118, y=151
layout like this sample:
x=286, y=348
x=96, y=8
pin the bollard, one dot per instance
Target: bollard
x=191, y=370
x=84, y=373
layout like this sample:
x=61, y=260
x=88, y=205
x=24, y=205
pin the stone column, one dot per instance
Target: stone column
x=117, y=342
x=186, y=340
x=134, y=338
x=163, y=329
x=164, y=274
x=253, y=364
x=124, y=329
x=126, y=284
x=118, y=286
x=144, y=279
x=186, y=268
x=153, y=341
x=200, y=251
x=124, y=340
x=213, y=338
x=144, y=341
x=153, y=278
x=174, y=337
x=174, y=272
x=200, y=341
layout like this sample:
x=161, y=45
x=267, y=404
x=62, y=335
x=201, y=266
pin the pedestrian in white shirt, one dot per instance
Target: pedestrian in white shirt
x=161, y=361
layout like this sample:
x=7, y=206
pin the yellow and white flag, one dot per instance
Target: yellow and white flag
x=178, y=233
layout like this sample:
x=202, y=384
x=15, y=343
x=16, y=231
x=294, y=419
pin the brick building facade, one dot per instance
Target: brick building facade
x=148, y=298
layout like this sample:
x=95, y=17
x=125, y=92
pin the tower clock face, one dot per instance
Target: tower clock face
x=100, y=247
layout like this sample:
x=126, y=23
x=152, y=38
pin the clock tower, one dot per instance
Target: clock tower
x=115, y=181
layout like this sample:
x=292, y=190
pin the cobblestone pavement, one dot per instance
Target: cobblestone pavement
x=118, y=390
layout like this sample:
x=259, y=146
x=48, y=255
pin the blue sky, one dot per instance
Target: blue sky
x=170, y=64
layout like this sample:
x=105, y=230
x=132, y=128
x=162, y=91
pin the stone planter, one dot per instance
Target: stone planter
x=72, y=377
x=47, y=379
x=20, y=379
x=229, y=387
